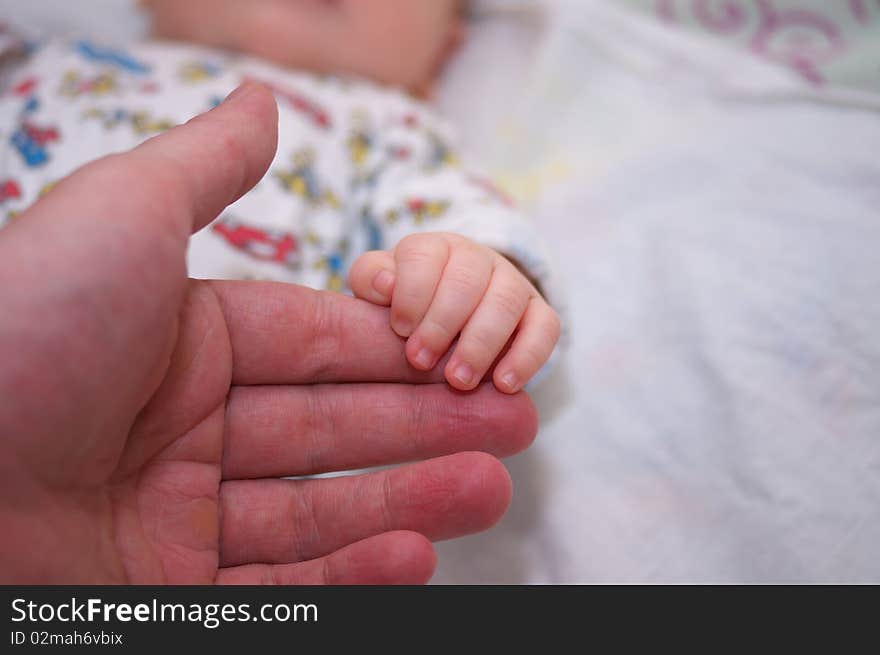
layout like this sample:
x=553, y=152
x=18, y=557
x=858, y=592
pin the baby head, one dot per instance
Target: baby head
x=398, y=42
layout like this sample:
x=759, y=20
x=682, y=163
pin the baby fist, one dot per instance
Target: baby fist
x=441, y=286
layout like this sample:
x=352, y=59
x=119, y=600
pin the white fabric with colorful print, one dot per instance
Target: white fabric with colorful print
x=358, y=166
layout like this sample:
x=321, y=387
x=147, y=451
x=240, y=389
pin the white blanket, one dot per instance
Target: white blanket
x=717, y=415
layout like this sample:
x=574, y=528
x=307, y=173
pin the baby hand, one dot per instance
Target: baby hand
x=441, y=286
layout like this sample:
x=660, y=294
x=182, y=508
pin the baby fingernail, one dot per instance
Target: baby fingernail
x=383, y=283
x=425, y=358
x=402, y=327
x=510, y=381
x=464, y=374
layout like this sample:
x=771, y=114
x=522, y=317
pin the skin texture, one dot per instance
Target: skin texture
x=443, y=287
x=399, y=42
x=146, y=417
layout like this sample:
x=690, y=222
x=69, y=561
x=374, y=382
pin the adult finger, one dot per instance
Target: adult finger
x=390, y=558
x=302, y=430
x=179, y=180
x=287, y=334
x=286, y=521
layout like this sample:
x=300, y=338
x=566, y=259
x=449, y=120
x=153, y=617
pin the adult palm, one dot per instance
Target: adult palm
x=147, y=419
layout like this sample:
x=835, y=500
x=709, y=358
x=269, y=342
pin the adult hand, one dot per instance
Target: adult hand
x=146, y=419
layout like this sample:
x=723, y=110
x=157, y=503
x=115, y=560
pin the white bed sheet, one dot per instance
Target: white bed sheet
x=717, y=414
x=717, y=417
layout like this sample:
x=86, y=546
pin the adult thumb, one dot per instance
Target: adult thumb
x=181, y=179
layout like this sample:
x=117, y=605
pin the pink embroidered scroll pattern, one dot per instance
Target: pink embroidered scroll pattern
x=859, y=10
x=804, y=39
x=721, y=17
x=801, y=39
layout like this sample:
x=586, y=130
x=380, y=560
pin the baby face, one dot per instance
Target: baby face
x=399, y=42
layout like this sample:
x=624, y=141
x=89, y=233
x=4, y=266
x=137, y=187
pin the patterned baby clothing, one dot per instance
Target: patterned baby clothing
x=358, y=166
